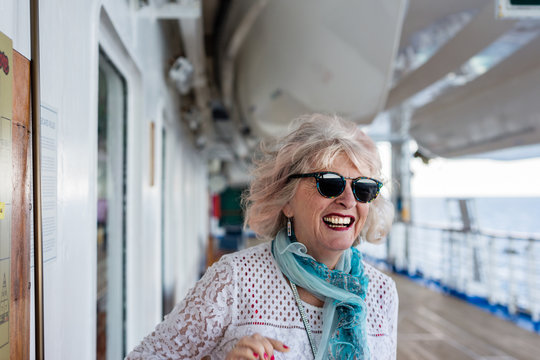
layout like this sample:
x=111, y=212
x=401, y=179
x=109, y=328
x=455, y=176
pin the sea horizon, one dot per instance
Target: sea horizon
x=502, y=213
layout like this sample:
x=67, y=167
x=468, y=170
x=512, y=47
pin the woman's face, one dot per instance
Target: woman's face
x=319, y=221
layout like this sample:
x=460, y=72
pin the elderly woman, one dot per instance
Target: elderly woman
x=306, y=294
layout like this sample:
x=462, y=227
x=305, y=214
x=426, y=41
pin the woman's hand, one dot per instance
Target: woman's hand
x=256, y=346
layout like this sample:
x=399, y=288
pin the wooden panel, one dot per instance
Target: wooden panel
x=20, y=226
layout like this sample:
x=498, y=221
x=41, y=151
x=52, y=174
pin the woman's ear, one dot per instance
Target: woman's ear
x=287, y=210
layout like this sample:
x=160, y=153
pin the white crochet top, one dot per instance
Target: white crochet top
x=246, y=293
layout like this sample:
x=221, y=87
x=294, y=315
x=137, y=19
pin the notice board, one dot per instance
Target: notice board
x=15, y=202
x=6, y=114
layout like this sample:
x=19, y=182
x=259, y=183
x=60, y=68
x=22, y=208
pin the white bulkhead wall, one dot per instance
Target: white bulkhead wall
x=71, y=32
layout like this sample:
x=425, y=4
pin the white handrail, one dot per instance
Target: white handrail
x=500, y=267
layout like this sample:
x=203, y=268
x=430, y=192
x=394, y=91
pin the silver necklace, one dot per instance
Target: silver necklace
x=304, y=319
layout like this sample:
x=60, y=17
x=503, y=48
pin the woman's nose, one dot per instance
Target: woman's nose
x=347, y=198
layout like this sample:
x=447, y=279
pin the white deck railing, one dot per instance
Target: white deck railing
x=502, y=268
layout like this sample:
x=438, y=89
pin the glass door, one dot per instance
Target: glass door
x=111, y=212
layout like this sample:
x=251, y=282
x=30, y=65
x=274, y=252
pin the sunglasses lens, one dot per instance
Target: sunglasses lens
x=365, y=190
x=331, y=185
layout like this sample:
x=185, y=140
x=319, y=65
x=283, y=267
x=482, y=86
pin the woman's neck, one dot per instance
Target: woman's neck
x=323, y=255
x=330, y=259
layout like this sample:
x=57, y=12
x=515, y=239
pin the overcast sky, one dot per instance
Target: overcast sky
x=476, y=178
x=471, y=177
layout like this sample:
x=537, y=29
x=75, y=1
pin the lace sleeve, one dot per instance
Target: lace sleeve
x=196, y=325
x=393, y=306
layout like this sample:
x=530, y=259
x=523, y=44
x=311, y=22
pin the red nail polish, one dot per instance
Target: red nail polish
x=255, y=354
x=285, y=346
x=265, y=355
x=272, y=358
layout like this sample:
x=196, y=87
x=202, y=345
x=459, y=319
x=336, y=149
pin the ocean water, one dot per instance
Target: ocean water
x=514, y=215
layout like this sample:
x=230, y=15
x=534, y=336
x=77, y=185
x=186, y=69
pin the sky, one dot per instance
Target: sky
x=471, y=177
x=476, y=178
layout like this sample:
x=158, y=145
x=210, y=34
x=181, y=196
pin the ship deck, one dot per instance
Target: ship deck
x=433, y=325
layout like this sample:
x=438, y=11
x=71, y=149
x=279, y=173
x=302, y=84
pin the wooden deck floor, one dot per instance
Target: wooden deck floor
x=438, y=326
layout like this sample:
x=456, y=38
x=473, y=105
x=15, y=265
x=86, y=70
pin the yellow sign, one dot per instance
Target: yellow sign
x=6, y=77
x=6, y=188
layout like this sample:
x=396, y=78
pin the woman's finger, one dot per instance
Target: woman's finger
x=254, y=343
x=257, y=347
x=268, y=350
x=242, y=352
x=278, y=345
x=247, y=353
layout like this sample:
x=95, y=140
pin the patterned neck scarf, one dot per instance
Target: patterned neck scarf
x=342, y=289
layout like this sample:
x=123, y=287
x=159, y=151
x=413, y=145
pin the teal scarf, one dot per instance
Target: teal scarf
x=342, y=289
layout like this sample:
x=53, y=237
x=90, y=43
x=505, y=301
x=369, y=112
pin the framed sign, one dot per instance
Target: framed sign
x=514, y=9
x=15, y=202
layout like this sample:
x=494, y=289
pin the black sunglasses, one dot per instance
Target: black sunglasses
x=331, y=185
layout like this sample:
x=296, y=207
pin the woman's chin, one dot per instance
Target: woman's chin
x=341, y=243
x=341, y=234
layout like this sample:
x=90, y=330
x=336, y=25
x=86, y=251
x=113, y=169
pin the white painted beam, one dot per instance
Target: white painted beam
x=497, y=110
x=483, y=30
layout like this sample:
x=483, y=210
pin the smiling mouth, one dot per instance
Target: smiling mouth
x=338, y=222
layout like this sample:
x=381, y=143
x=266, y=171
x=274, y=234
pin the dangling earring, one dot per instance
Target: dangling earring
x=289, y=227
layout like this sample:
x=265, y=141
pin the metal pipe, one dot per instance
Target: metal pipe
x=36, y=171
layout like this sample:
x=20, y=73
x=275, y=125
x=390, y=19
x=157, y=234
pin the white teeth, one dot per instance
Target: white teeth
x=337, y=220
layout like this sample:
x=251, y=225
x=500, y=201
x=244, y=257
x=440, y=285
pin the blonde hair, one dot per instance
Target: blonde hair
x=313, y=143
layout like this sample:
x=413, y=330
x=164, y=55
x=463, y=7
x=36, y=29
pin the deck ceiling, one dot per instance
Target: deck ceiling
x=277, y=59
x=497, y=110
x=493, y=112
